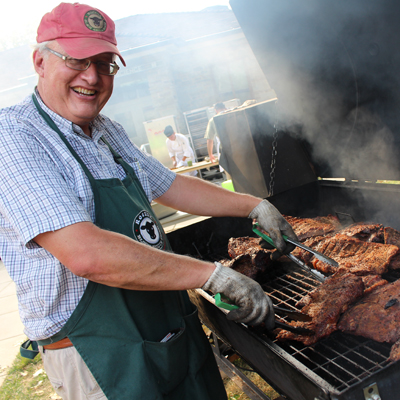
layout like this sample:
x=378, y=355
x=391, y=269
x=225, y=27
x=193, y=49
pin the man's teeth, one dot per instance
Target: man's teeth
x=84, y=91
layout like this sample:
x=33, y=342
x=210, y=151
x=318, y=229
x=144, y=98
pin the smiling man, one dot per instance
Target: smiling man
x=80, y=89
x=98, y=286
x=76, y=72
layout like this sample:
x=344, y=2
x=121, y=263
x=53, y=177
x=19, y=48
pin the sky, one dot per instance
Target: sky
x=21, y=18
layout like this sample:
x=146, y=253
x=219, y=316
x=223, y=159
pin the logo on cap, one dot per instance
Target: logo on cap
x=95, y=21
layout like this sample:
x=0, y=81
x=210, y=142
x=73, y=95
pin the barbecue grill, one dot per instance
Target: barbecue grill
x=338, y=367
x=335, y=67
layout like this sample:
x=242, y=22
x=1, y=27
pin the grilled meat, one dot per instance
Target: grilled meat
x=391, y=236
x=252, y=264
x=329, y=219
x=360, y=258
x=325, y=304
x=305, y=228
x=367, y=232
x=395, y=352
x=376, y=316
x=248, y=257
x=242, y=264
x=372, y=281
x=240, y=245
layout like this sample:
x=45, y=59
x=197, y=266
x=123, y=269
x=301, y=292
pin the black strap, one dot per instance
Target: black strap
x=27, y=352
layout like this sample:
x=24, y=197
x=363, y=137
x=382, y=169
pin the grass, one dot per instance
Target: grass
x=235, y=393
x=27, y=380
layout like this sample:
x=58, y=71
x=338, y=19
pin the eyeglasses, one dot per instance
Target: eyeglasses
x=102, y=67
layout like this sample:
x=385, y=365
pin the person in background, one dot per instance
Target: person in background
x=99, y=288
x=179, y=149
x=211, y=132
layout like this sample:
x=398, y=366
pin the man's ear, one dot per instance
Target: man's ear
x=38, y=63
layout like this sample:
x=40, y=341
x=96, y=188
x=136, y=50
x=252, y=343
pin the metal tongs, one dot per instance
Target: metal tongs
x=225, y=303
x=316, y=254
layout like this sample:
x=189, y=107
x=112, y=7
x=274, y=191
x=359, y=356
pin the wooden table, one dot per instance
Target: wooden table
x=195, y=167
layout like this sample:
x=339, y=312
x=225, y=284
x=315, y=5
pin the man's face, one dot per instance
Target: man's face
x=172, y=137
x=77, y=96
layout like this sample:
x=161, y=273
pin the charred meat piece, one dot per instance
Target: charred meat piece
x=325, y=304
x=367, y=232
x=305, y=228
x=395, y=352
x=254, y=263
x=240, y=245
x=242, y=264
x=376, y=316
x=391, y=236
x=360, y=258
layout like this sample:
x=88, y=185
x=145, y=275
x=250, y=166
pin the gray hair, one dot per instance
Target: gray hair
x=42, y=48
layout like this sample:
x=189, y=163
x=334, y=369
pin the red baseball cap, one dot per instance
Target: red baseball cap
x=82, y=31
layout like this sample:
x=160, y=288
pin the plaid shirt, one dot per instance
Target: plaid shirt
x=43, y=188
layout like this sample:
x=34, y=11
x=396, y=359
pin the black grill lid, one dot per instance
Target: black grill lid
x=335, y=66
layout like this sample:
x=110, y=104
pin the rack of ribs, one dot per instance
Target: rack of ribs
x=376, y=259
x=325, y=304
x=305, y=228
x=364, y=252
x=391, y=236
x=376, y=315
x=359, y=257
x=367, y=232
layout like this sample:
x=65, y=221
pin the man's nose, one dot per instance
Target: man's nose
x=91, y=75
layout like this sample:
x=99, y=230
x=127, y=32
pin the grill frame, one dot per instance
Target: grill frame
x=285, y=367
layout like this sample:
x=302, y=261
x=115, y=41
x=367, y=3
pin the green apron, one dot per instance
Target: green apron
x=117, y=332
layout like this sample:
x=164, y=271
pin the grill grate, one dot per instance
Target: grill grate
x=341, y=360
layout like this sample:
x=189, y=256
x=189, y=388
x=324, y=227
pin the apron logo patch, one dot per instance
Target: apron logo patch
x=146, y=230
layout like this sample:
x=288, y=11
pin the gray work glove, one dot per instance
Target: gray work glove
x=255, y=306
x=271, y=221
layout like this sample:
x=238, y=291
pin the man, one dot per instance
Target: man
x=211, y=131
x=96, y=288
x=179, y=148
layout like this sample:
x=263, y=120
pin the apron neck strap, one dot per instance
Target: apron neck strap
x=129, y=171
x=53, y=126
x=117, y=158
